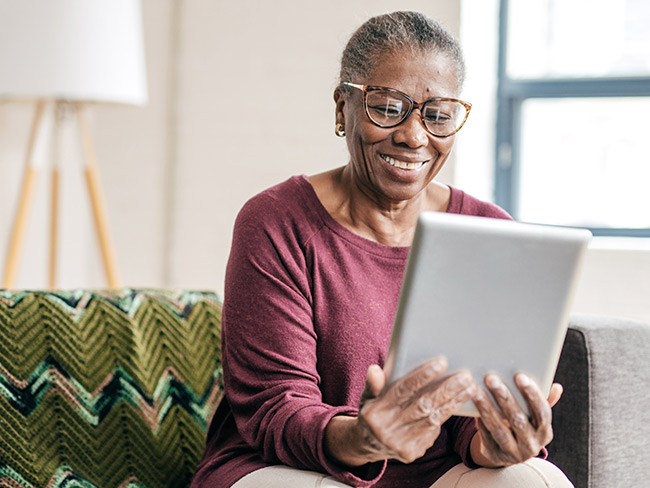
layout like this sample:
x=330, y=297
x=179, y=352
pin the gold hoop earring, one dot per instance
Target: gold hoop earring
x=339, y=130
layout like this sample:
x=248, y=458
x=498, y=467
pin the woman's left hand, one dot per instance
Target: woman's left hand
x=512, y=437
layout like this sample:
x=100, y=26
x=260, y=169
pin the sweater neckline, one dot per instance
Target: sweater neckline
x=395, y=252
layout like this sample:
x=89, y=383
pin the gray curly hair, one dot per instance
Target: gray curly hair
x=393, y=32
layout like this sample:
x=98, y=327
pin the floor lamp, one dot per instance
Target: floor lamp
x=70, y=53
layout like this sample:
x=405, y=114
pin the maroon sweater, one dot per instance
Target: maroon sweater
x=308, y=307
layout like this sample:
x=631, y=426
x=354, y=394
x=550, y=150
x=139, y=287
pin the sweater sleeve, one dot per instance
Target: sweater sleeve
x=462, y=430
x=269, y=347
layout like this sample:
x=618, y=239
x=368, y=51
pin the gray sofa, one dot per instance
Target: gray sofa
x=602, y=422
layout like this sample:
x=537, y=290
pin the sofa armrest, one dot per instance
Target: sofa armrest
x=602, y=422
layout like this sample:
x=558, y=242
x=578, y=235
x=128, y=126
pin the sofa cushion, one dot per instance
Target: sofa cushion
x=106, y=389
x=571, y=415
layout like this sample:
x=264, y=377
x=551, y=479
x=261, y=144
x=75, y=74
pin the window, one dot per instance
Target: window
x=573, y=131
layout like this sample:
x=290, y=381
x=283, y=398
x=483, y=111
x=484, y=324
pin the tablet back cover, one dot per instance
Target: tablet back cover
x=489, y=295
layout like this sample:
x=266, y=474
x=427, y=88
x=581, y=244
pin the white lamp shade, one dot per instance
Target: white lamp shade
x=84, y=50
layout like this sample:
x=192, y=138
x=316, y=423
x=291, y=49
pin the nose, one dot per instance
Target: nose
x=411, y=132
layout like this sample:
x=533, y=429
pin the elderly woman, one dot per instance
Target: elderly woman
x=311, y=291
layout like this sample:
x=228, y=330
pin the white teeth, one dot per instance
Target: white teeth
x=401, y=164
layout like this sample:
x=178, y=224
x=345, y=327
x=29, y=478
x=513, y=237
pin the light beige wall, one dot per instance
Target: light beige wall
x=255, y=107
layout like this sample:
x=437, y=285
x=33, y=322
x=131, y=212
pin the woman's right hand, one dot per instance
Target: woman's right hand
x=400, y=422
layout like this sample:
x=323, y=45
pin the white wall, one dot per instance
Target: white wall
x=240, y=99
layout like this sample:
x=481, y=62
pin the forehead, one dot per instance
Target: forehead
x=422, y=75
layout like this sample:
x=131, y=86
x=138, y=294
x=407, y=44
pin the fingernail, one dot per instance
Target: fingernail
x=523, y=380
x=493, y=381
x=497, y=386
x=465, y=379
x=480, y=396
x=439, y=365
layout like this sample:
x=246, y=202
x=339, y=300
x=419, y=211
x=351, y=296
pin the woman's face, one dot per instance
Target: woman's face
x=376, y=152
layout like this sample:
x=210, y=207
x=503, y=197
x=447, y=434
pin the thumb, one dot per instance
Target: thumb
x=555, y=394
x=375, y=382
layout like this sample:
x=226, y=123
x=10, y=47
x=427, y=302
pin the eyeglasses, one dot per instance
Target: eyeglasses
x=387, y=107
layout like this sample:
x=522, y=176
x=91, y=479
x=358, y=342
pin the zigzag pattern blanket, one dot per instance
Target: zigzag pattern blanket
x=106, y=389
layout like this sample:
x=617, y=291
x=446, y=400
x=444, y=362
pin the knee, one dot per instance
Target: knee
x=545, y=474
x=534, y=473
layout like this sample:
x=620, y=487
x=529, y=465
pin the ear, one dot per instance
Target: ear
x=339, y=99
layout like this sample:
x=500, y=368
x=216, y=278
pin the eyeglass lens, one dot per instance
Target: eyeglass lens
x=440, y=117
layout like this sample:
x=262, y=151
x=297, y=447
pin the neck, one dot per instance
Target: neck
x=385, y=221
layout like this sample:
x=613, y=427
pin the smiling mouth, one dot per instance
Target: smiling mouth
x=402, y=164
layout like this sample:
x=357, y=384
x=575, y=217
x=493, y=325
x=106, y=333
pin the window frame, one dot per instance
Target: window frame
x=511, y=93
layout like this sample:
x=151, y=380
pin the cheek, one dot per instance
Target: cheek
x=443, y=147
x=364, y=136
x=441, y=151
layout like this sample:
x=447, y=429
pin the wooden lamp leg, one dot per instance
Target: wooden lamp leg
x=60, y=114
x=54, y=220
x=24, y=203
x=97, y=199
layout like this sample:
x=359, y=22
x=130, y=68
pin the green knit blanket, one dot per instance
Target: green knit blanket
x=106, y=389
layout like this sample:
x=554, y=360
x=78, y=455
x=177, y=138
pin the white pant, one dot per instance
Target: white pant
x=534, y=473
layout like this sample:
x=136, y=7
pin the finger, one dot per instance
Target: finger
x=510, y=408
x=538, y=407
x=494, y=422
x=405, y=389
x=438, y=403
x=449, y=408
x=491, y=449
x=555, y=394
x=376, y=380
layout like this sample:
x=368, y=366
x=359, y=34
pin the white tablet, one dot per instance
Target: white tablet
x=489, y=295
